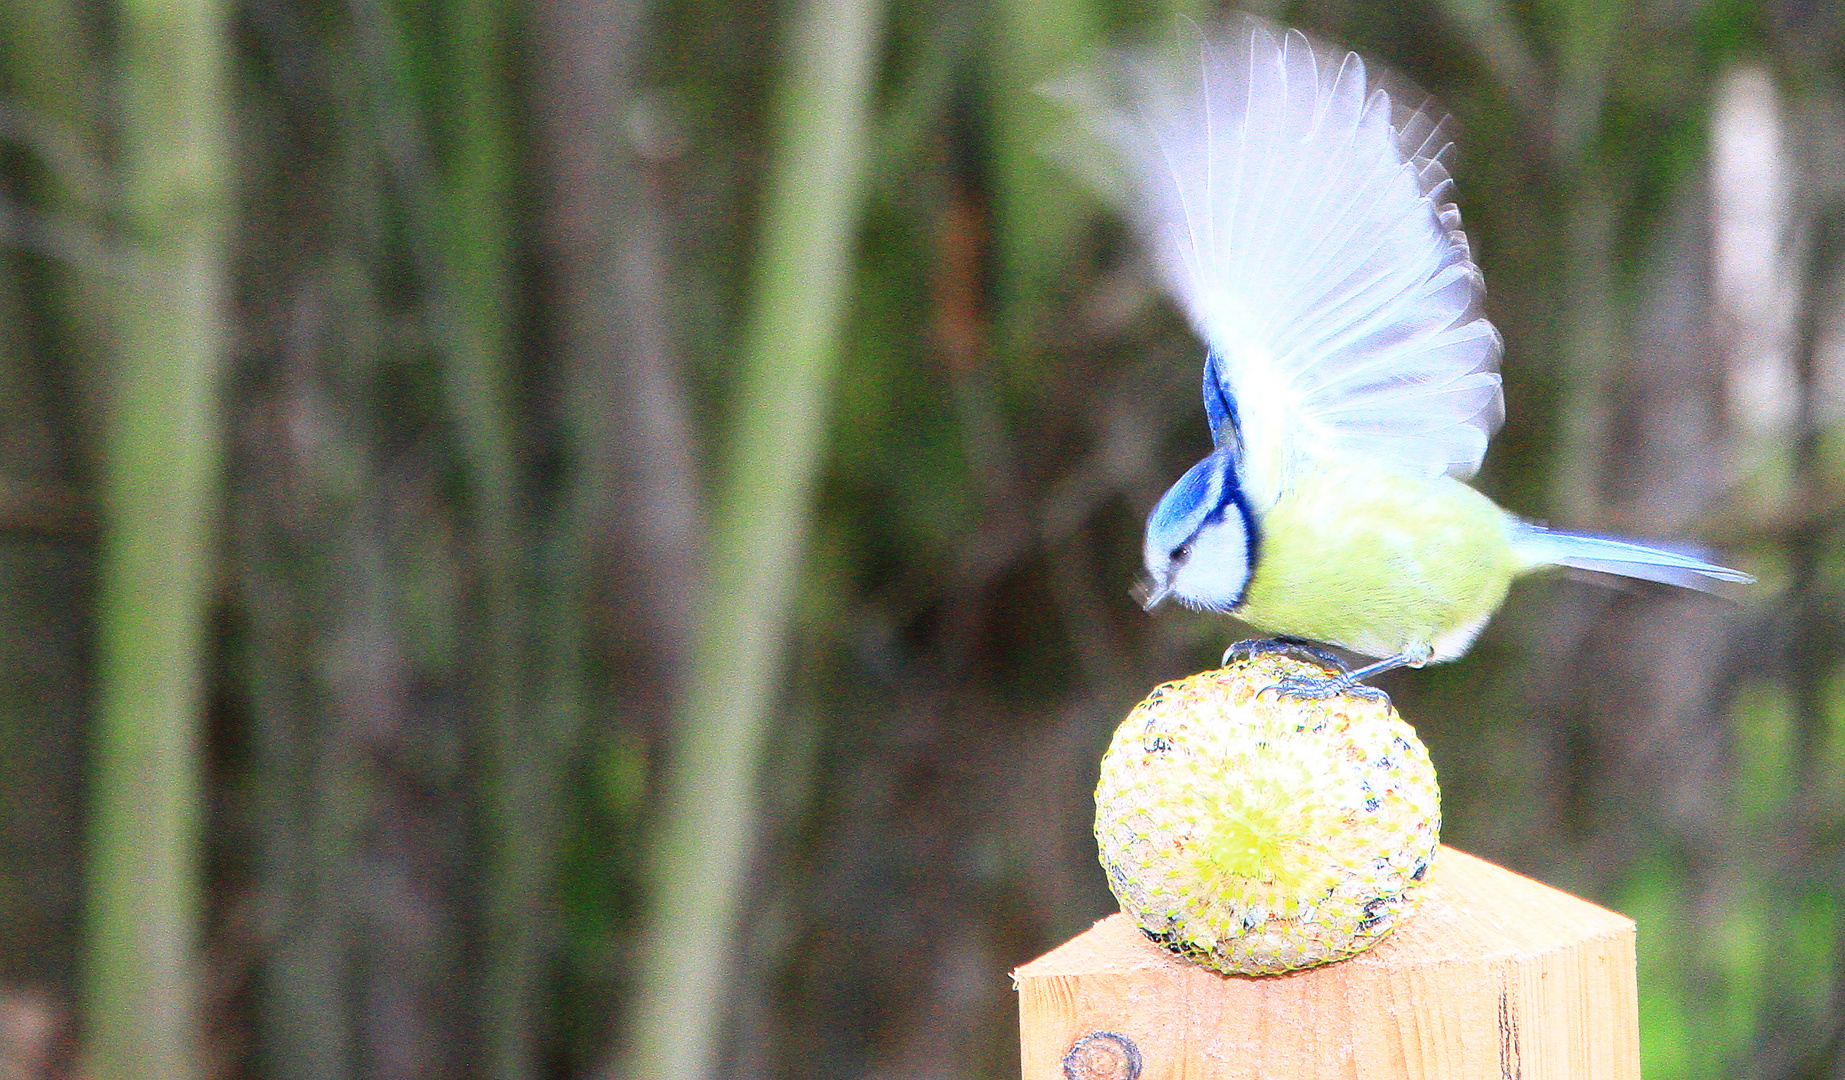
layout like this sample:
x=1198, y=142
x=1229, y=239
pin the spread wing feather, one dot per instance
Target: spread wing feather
x=1302, y=219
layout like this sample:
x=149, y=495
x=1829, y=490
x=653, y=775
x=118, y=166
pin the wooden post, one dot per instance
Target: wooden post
x=1495, y=977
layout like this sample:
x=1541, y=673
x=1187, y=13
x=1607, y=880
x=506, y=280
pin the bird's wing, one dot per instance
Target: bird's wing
x=1302, y=219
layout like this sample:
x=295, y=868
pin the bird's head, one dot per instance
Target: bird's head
x=1201, y=538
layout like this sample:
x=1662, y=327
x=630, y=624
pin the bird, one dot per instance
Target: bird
x=1299, y=208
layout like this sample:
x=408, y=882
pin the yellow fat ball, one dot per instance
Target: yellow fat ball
x=1258, y=834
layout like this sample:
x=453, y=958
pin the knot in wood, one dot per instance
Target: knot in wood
x=1102, y=1055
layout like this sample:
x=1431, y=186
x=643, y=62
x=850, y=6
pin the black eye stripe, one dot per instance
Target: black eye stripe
x=1229, y=499
x=1208, y=498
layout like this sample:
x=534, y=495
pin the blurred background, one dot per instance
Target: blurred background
x=590, y=539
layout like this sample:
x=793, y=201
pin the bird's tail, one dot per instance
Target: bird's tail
x=1606, y=555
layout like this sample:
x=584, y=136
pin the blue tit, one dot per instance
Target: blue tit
x=1302, y=218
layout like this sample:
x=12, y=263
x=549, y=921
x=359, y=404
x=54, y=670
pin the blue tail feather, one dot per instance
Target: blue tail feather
x=1608, y=555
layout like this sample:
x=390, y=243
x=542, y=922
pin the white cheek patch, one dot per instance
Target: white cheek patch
x=1218, y=570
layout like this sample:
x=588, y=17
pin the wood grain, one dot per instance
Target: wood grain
x=1496, y=977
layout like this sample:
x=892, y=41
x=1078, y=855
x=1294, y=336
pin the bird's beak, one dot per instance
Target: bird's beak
x=1148, y=592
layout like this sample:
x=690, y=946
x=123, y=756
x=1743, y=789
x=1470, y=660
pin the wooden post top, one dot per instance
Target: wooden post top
x=1495, y=977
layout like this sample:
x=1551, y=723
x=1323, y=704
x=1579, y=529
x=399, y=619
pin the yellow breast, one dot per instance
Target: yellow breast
x=1378, y=562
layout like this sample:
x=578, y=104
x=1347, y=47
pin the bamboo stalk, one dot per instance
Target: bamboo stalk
x=159, y=480
x=757, y=529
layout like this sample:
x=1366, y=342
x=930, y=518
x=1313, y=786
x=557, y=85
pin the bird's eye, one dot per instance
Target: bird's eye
x=1182, y=552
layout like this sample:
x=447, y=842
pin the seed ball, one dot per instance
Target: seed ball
x=1256, y=833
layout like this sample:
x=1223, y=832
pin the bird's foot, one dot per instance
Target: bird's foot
x=1347, y=681
x=1294, y=647
x=1309, y=688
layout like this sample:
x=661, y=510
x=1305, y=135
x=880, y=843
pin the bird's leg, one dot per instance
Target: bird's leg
x=1287, y=646
x=1388, y=663
x=1308, y=688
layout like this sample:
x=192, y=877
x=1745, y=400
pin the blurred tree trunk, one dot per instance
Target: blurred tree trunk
x=159, y=500
x=617, y=387
x=350, y=584
x=622, y=546
x=357, y=573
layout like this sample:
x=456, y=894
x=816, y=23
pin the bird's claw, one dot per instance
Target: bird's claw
x=1308, y=688
x=1300, y=650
